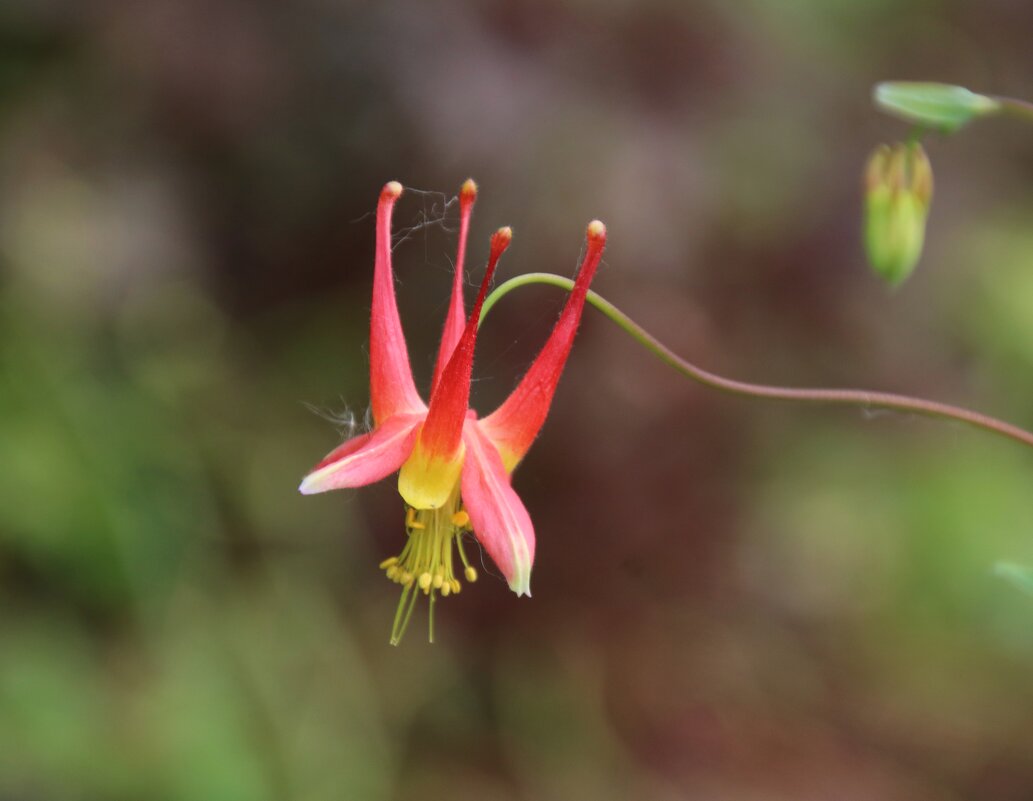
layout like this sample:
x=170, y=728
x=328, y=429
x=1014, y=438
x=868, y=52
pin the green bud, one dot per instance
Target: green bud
x=898, y=191
x=939, y=106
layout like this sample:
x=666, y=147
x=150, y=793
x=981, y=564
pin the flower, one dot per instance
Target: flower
x=898, y=191
x=454, y=468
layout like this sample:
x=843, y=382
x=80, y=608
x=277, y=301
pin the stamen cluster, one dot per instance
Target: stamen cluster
x=426, y=562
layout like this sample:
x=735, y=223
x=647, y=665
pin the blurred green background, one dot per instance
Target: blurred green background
x=732, y=600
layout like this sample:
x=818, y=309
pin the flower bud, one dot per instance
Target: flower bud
x=939, y=106
x=898, y=191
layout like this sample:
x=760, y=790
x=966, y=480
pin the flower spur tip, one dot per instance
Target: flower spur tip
x=500, y=241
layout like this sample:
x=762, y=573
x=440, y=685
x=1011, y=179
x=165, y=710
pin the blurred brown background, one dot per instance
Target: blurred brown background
x=732, y=600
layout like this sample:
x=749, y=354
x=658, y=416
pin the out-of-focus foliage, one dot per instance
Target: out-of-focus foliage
x=731, y=600
x=1020, y=575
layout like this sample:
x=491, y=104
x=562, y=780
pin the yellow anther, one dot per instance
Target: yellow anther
x=426, y=564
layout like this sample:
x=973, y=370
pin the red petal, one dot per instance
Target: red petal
x=454, y=321
x=443, y=431
x=515, y=424
x=366, y=458
x=499, y=519
x=391, y=387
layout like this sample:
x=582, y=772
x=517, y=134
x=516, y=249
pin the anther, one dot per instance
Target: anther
x=425, y=565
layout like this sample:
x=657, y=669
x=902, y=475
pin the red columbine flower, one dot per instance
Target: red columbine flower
x=454, y=469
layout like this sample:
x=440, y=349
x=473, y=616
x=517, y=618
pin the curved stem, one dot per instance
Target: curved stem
x=846, y=397
x=1016, y=108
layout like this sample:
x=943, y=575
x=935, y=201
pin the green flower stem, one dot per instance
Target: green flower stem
x=1016, y=108
x=845, y=397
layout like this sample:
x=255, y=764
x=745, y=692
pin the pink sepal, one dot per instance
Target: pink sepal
x=498, y=516
x=366, y=458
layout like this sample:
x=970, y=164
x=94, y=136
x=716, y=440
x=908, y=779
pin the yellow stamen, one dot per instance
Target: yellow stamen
x=426, y=562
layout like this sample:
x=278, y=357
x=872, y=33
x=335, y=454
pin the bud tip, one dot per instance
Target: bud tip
x=468, y=194
x=392, y=189
x=596, y=230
